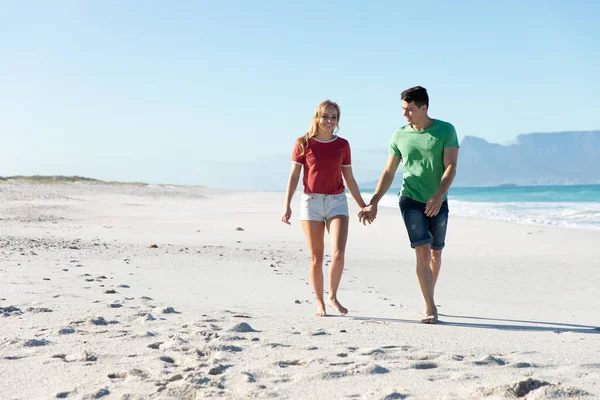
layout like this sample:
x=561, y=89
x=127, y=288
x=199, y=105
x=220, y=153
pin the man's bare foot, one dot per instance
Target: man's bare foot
x=321, y=310
x=340, y=308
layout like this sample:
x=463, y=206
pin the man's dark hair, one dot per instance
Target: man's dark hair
x=417, y=95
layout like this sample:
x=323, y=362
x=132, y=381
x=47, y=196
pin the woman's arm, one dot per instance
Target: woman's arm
x=353, y=186
x=289, y=193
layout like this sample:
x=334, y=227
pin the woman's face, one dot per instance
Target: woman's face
x=329, y=119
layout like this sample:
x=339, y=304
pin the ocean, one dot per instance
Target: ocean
x=576, y=206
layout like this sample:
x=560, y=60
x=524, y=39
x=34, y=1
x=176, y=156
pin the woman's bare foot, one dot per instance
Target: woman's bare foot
x=321, y=310
x=430, y=317
x=340, y=308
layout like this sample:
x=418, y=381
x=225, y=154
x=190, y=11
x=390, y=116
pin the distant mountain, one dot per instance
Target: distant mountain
x=558, y=158
x=535, y=159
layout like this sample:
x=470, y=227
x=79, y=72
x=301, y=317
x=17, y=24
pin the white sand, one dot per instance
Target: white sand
x=517, y=302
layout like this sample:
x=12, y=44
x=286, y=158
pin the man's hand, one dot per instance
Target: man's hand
x=368, y=214
x=433, y=205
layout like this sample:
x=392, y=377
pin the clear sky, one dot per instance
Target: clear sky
x=215, y=92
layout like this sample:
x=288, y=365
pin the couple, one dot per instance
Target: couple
x=428, y=150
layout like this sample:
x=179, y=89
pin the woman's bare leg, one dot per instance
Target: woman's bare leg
x=315, y=232
x=338, y=232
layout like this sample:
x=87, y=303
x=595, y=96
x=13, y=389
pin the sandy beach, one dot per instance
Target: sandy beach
x=222, y=307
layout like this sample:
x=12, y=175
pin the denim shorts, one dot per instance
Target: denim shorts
x=421, y=228
x=322, y=207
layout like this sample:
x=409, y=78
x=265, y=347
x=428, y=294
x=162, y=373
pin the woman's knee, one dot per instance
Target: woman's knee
x=338, y=255
x=316, y=259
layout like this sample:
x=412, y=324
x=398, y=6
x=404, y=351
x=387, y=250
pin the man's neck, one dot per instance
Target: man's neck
x=422, y=125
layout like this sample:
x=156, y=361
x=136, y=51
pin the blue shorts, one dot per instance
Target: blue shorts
x=421, y=228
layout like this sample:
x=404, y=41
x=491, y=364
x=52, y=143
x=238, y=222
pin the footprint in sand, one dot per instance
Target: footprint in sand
x=218, y=370
x=83, y=356
x=524, y=365
x=333, y=375
x=242, y=327
x=228, y=348
x=535, y=388
x=373, y=369
x=36, y=343
x=10, y=311
x=490, y=361
x=167, y=359
x=100, y=321
x=423, y=357
x=232, y=338
x=97, y=395
x=290, y=363
x=145, y=316
x=424, y=365
x=249, y=377
x=395, y=396
x=275, y=345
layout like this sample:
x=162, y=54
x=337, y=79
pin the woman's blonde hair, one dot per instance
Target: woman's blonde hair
x=313, y=129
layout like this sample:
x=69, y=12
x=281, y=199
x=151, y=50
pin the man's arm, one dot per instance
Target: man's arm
x=369, y=213
x=387, y=177
x=450, y=161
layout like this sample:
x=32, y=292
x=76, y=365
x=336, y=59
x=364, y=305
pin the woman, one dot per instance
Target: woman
x=326, y=160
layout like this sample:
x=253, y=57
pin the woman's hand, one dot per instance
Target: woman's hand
x=287, y=214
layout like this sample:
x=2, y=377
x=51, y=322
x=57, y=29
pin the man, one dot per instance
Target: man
x=428, y=150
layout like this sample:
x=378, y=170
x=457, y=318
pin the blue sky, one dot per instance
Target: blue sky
x=215, y=93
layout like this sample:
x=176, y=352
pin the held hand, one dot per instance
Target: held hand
x=433, y=205
x=287, y=214
x=368, y=214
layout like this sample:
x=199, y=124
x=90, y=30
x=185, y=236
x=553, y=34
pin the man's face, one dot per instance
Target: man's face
x=412, y=113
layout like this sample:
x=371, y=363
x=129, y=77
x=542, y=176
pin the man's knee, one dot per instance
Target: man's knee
x=423, y=253
x=436, y=256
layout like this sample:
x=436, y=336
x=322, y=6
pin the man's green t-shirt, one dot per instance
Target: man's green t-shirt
x=422, y=155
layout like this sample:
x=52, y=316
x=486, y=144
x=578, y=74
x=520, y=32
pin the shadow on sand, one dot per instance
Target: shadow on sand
x=496, y=323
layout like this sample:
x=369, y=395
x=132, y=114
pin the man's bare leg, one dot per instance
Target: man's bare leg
x=338, y=232
x=435, y=264
x=426, y=282
x=315, y=232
